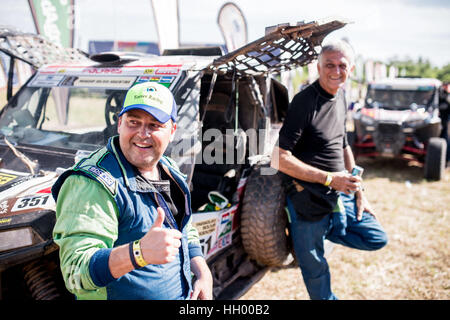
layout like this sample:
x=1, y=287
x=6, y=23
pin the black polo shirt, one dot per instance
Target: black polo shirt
x=314, y=128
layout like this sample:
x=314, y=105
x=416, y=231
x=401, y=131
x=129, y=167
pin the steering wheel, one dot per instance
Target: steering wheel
x=113, y=107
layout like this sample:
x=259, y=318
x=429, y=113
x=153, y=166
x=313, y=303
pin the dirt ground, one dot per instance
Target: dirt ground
x=415, y=265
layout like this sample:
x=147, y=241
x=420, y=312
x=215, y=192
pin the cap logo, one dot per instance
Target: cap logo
x=155, y=99
x=150, y=97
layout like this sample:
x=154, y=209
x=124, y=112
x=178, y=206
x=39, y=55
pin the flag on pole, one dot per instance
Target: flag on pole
x=54, y=20
x=233, y=26
x=165, y=13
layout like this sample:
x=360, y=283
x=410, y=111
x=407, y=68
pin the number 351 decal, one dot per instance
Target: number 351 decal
x=31, y=202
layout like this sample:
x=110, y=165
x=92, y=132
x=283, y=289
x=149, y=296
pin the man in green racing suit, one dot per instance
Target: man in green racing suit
x=124, y=213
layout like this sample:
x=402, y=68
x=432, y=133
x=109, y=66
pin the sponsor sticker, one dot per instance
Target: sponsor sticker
x=5, y=220
x=102, y=70
x=46, y=80
x=14, y=182
x=166, y=79
x=5, y=178
x=33, y=202
x=148, y=78
x=214, y=229
x=205, y=227
x=101, y=82
x=221, y=242
x=225, y=217
x=167, y=71
x=101, y=175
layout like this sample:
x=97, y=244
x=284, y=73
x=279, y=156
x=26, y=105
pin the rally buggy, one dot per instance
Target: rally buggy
x=229, y=107
x=400, y=118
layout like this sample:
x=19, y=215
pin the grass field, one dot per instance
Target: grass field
x=415, y=264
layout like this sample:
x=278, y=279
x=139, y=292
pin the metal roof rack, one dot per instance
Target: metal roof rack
x=35, y=49
x=284, y=47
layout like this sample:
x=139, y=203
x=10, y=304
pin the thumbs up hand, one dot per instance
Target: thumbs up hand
x=159, y=219
x=160, y=245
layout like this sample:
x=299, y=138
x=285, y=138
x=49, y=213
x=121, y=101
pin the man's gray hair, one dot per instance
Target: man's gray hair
x=339, y=46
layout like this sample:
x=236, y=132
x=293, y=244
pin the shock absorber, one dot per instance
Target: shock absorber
x=41, y=284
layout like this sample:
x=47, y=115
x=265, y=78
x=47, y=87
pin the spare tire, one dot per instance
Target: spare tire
x=264, y=220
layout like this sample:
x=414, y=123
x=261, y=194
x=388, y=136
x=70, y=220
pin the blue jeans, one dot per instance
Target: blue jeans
x=308, y=240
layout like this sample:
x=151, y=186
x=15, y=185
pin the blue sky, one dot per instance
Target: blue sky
x=380, y=30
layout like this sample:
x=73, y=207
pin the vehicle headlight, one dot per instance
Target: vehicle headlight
x=416, y=118
x=18, y=238
x=415, y=123
x=367, y=120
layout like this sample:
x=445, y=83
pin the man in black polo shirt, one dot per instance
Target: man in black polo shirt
x=324, y=200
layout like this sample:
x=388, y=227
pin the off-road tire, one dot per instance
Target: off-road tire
x=264, y=220
x=435, y=159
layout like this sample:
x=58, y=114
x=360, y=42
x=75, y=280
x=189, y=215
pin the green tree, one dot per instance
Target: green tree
x=443, y=74
x=420, y=68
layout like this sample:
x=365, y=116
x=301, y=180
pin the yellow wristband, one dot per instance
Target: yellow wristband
x=329, y=179
x=137, y=253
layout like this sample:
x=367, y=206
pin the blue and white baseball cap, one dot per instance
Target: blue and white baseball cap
x=152, y=97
